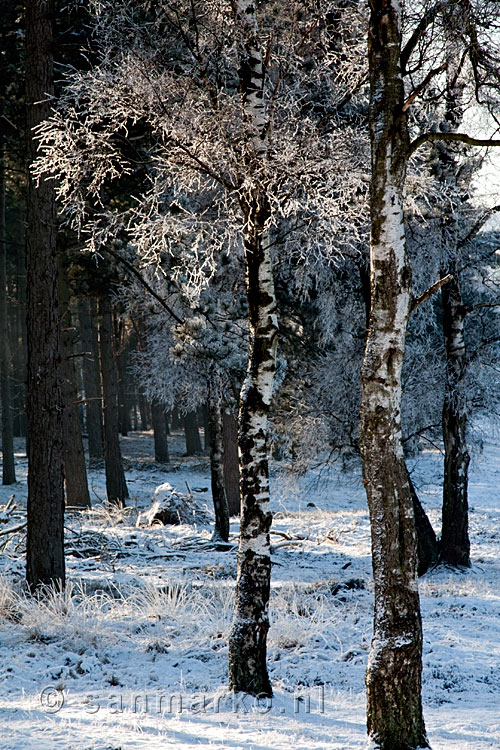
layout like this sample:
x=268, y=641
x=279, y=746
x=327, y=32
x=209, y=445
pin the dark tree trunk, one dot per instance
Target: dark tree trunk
x=427, y=543
x=160, y=432
x=123, y=380
x=45, y=529
x=231, y=470
x=143, y=410
x=176, y=423
x=8, y=465
x=203, y=413
x=393, y=677
x=91, y=378
x=116, y=486
x=214, y=414
x=75, y=471
x=455, y=544
x=19, y=350
x=192, y=433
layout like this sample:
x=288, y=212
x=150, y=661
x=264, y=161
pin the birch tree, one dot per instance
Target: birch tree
x=393, y=677
x=242, y=158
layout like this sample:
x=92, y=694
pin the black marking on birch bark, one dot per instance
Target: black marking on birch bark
x=393, y=678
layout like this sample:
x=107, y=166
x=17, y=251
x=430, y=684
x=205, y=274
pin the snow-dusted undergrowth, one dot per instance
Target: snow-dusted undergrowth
x=141, y=630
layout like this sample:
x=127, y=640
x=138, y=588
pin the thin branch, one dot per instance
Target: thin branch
x=421, y=432
x=457, y=137
x=480, y=306
x=142, y=280
x=478, y=226
x=422, y=86
x=426, y=20
x=430, y=291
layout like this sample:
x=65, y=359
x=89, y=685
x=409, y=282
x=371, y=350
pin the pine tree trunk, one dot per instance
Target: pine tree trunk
x=192, y=433
x=393, y=677
x=19, y=350
x=123, y=380
x=231, y=470
x=75, y=471
x=91, y=379
x=455, y=544
x=116, y=486
x=214, y=414
x=143, y=410
x=176, y=423
x=248, y=639
x=160, y=432
x=45, y=530
x=8, y=465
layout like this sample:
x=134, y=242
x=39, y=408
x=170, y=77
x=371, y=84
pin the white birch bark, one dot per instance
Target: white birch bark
x=247, y=646
x=393, y=677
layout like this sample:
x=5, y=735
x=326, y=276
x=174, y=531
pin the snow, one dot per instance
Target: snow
x=143, y=625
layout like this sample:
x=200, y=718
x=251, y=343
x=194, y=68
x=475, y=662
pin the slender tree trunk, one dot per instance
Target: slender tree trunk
x=248, y=639
x=45, y=529
x=231, y=470
x=192, y=433
x=455, y=544
x=91, y=379
x=427, y=543
x=217, y=457
x=116, y=486
x=160, y=432
x=176, y=423
x=75, y=471
x=393, y=677
x=8, y=466
x=122, y=382
x=203, y=412
x=143, y=410
x=19, y=349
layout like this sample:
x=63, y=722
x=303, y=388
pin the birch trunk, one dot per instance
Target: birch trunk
x=248, y=640
x=455, y=544
x=393, y=678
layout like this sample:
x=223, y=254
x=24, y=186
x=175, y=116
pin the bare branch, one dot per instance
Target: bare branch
x=422, y=86
x=457, y=137
x=478, y=226
x=142, y=280
x=430, y=291
x=480, y=306
x=426, y=20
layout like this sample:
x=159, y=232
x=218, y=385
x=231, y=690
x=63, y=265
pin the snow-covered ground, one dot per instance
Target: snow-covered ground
x=141, y=631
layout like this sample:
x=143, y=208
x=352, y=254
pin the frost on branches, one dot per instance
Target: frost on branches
x=208, y=129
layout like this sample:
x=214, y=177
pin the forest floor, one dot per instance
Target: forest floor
x=141, y=631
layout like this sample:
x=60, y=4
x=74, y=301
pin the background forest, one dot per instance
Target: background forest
x=248, y=257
